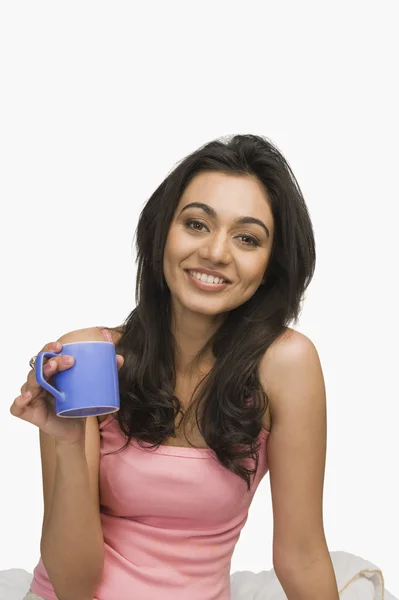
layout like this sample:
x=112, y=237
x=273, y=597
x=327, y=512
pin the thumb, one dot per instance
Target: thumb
x=119, y=360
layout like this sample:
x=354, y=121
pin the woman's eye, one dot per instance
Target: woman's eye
x=248, y=240
x=194, y=224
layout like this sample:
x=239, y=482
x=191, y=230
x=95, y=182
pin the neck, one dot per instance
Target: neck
x=191, y=331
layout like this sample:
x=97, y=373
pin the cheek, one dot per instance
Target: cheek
x=252, y=271
x=171, y=247
x=167, y=259
x=174, y=253
x=178, y=246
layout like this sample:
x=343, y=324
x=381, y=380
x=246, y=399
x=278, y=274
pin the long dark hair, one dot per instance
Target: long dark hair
x=229, y=424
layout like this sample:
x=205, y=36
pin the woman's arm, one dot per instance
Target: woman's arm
x=72, y=545
x=292, y=377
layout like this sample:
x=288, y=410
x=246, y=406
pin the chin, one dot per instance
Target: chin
x=207, y=306
x=205, y=310
x=209, y=309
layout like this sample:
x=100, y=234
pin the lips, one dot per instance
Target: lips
x=211, y=284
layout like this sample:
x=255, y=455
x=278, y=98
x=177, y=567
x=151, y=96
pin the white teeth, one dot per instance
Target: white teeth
x=206, y=278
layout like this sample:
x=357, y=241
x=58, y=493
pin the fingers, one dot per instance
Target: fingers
x=52, y=347
x=50, y=368
x=57, y=364
x=20, y=403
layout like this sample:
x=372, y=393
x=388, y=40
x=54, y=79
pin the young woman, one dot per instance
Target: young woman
x=215, y=391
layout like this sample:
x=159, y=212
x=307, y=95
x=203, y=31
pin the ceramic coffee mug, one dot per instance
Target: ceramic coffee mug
x=90, y=387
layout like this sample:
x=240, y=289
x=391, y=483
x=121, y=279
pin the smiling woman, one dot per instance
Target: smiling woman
x=215, y=390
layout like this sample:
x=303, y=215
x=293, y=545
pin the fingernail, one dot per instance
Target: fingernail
x=66, y=360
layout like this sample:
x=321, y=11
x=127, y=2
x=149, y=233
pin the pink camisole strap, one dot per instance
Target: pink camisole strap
x=106, y=333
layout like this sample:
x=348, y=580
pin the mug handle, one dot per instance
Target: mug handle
x=39, y=375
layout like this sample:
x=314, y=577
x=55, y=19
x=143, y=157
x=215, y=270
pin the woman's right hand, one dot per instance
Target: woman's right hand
x=39, y=408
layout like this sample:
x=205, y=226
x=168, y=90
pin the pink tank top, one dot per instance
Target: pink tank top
x=171, y=518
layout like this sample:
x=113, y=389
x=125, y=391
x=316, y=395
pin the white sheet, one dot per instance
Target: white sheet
x=357, y=578
x=14, y=584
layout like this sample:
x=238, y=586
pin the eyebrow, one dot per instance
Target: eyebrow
x=240, y=221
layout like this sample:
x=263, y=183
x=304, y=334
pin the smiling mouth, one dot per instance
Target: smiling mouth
x=203, y=277
x=206, y=282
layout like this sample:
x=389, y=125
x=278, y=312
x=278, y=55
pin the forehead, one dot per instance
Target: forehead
x=229, y=195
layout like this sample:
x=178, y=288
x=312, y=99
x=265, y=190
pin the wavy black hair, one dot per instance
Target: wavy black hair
x=229, y=424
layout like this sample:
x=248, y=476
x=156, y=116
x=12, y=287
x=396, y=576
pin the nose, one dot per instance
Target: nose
x=216, y=249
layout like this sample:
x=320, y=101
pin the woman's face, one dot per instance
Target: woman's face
x=219, y=243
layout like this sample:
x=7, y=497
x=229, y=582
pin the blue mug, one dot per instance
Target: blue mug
x=90, y=387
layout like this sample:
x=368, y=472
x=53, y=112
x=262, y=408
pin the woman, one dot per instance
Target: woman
x=215, y=390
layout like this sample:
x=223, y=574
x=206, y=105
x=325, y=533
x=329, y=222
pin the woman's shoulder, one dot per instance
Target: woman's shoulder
x=115, y=332
x=90, y=334
x=278, y=360
x=287, y=345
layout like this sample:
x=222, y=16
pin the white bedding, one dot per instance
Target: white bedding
x=357, y=578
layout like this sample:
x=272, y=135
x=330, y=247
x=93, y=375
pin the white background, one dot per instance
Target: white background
x=98, y=101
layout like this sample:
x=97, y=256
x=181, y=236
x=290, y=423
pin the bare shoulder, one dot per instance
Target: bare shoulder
x=89, y=334
x=290, y=359
x=289, y=345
